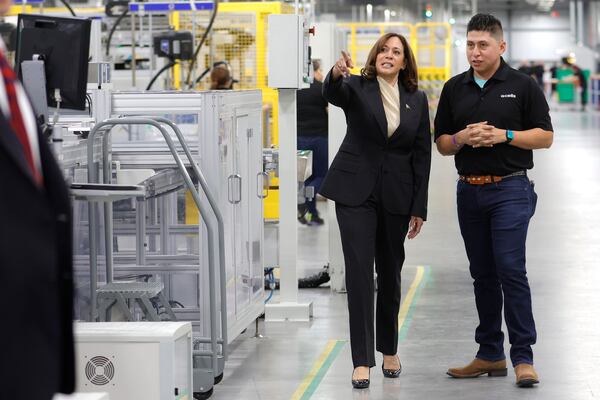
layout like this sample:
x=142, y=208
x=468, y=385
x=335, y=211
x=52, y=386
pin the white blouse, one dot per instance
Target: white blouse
x=391, y=104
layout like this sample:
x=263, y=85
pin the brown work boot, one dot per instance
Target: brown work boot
x=479, y=367
x=526, y=375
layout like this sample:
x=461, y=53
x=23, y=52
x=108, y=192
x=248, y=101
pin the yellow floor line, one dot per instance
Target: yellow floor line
x=313, y=372
x=410, y=297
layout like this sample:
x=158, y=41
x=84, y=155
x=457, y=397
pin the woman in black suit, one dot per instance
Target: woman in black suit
x=378, y=180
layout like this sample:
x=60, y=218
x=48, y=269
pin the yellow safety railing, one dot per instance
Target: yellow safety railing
x=40, y=9
x=20, y=9
x=433, y=40
x=433, y=52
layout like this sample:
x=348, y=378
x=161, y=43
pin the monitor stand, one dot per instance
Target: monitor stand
x=34, y=82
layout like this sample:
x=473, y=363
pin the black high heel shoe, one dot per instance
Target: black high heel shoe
x=361, y=383
x=392, y=373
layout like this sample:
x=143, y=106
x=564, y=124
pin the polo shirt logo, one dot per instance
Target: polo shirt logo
x=510, y=95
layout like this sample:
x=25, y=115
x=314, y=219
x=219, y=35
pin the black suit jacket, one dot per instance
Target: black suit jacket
x=403, y=160
x=36, y=285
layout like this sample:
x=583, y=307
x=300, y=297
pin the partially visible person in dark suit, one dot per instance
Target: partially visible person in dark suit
x=312, y=135
x=36, y=289
x=378, y=180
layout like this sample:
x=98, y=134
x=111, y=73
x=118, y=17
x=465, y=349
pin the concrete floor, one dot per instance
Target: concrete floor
x=563, y=254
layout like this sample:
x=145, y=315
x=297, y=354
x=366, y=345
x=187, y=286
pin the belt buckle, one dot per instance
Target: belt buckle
x=476, y=180
x=482, y=179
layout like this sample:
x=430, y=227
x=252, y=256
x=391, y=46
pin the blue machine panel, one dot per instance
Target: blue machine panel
x=171, y=6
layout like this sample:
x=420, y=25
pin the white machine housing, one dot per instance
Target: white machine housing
x=224, y=130
x=135, y=360
x=289, y=52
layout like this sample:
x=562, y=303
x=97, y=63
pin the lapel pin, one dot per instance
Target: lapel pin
x=407, y=107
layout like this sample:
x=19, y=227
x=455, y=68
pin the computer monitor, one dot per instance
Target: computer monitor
x=64, y=45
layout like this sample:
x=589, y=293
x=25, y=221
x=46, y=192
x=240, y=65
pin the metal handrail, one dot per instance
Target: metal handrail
x=220, y=225
x=108, y=125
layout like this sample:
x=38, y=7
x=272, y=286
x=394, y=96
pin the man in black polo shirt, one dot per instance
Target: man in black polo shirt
x=490, y=118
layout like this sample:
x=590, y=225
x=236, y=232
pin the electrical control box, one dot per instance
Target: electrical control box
x=174, y=45
x=134, y=360
x=289, y=52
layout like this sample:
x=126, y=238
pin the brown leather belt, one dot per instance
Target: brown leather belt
x=483, y=179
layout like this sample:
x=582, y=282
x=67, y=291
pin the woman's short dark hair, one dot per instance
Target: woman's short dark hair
x=220, y=77
x=408, y=76
x=486, y=23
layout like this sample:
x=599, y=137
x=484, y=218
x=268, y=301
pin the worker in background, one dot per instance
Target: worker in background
x=312, y=135
x=490, y=118
x=36, y=278
x=221, y=77
x=525, y=67
x=553, y=79
x=582, y=82
x=579, y=81
x=379, y=181
x=537, y=70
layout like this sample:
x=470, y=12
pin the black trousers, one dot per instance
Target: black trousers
x=370, y=233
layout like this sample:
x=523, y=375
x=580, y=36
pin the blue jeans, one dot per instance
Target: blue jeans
x=493, y=221
x=318, y=145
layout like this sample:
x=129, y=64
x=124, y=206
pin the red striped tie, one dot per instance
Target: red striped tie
x=16, y=119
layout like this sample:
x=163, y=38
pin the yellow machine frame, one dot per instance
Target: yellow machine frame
x=433, y=72
x=261, y=11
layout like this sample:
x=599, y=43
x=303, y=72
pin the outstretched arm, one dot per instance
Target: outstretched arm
x=334, y=89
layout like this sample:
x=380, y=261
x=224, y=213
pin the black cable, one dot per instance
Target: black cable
x=89, y=99
x=206, y=32
x=68, y=7
x=114, y=27
x=176, y=303
x=202, y=75
x=171, y=64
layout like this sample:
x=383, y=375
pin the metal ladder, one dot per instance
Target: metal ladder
x=203, y=378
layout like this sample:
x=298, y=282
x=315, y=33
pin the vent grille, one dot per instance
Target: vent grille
x=100, y=370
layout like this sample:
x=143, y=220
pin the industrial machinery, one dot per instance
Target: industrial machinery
x=174, y=45
x=152, y=241
x=134, y=360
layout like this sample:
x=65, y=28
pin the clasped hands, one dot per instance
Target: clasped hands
x=481, y=134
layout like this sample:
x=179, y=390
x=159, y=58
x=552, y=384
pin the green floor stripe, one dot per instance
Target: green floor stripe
x=314, y=384
x=407, y=322
x=323, y=370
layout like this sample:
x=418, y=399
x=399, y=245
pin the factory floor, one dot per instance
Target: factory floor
x=294, y=360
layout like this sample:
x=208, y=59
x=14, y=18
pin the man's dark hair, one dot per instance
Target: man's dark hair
x=486, y=23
